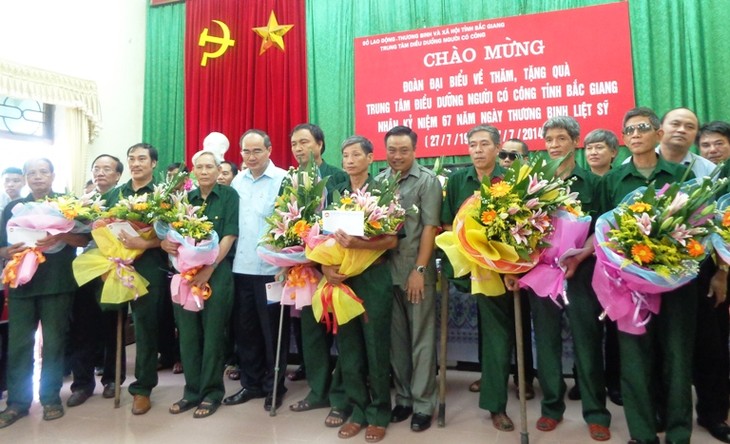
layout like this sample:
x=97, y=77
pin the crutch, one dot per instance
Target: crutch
x=442, y=349
x=118, y=363
x=272, y=412
x=519, y=341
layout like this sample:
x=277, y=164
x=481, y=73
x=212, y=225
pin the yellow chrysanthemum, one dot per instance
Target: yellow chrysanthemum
x=346, y=200
x=695, y=249
x=500, y=189
x=642, y=254
x=143, y=206
x=640, y=207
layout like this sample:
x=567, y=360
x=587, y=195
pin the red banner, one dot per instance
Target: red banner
x=513, y=73
x=230, y=86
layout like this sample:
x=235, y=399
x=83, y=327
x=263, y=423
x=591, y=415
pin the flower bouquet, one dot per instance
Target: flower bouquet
x=653, y=242
x=186, y=225
x=296, y=210
x=133, y=215
x=721, y=234
x=382, y=215
x=504, y=227
x=51, y=216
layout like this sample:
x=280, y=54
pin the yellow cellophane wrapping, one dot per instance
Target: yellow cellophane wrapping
x=344, y=303
x=121, y=283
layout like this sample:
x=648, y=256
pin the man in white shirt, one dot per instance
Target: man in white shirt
x=255, y=321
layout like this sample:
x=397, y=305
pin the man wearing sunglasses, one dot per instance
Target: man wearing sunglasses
x=672, y=330
x=512, y=150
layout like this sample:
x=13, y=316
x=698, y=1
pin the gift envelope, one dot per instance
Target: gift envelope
x=117, y=228
x=28, y=236
x=351, y=222
x=273, y=291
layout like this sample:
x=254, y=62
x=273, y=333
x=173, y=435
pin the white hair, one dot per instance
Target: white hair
x=197, y=155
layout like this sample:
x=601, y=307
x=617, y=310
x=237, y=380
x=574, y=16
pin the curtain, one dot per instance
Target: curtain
x=242, y=89
x=679, y=52
x=77, y=98
x=164, y=89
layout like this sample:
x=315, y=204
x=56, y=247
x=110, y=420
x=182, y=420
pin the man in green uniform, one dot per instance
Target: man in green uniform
x=46, y=298
x=203, y=334
x=562, y=134
x=672, y=331
x=307, y=141
x=141, y=160
x=364, y=344
x=496, y=313
x=413, y=269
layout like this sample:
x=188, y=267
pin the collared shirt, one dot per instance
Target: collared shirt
x=256, y=202
x=620, y=181
x=221, y=208
x=701, y=167
x=585, y=184
x=53, y=276
x=152, y=263
x=461, y=185
x=420, y=188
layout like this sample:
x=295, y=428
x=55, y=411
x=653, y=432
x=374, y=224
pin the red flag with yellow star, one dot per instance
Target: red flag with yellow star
x=245, y=67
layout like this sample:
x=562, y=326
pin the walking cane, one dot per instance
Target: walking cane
x=442, y=349
x=524, y=436
x=272, y=412
x=118, y=364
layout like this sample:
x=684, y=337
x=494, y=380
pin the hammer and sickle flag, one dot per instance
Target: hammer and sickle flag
x=272, y=34
x=222, y=42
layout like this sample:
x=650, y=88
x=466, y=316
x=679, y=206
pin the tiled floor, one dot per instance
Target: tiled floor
x=97, y=421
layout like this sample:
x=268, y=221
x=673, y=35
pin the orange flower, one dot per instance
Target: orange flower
x=726, y=219
x=301, y=228
x=695, y=249
x=488, y=216
x=571, y=210
x=165, y=205
x=639, y=207
x=376, y=224
x=500, y=189
x=642, y=254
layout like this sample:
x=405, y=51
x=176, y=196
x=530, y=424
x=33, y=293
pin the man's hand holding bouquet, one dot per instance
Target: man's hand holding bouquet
x=342, y=256
x=652, y=243
x=505, y=226
x=297, y=209
x=121, y=234
x=45, y=226
x=188, y=237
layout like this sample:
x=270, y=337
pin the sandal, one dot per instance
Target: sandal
x=475, y=386
x=177, y=368
x=182, y=405
x=374, y=433
x=10, y=415
x=546, y=424
x=349, y=430
x=599, y=432
x=335, y=418
x=304, y=405
x=52, y=411
x=502, y=422
x=234, y=374
x=205, y=409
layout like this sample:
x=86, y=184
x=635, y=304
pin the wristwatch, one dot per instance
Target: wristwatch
x=421, y=269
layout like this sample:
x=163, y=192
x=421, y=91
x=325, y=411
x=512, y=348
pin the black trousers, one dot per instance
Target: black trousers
x=256, y=331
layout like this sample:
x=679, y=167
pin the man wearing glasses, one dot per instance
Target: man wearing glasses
x=512, y=150
x=672, y=330
x=255, y=321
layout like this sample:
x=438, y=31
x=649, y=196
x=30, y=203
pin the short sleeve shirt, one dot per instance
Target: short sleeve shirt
x=460, y=186
x=221, y=208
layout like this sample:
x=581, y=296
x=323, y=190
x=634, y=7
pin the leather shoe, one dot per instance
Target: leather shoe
x=615, y=396
x=270, y=399
x=400, y=413
x=420, y=422
x=108, y=392
x=243, y=395
x=77, y=398
x=720, y=431
x=141, y=405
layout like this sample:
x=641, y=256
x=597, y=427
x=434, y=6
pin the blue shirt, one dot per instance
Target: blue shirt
x=256, y=203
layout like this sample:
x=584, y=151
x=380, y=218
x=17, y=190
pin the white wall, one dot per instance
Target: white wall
x=99, y=40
